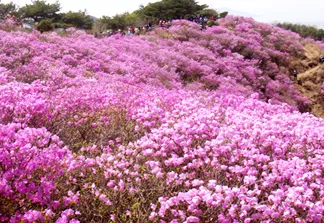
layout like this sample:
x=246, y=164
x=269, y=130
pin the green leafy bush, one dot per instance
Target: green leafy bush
x=45, y=25
x=211, y=23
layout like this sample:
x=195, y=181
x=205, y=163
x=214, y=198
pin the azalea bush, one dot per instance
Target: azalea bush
x=179, y=125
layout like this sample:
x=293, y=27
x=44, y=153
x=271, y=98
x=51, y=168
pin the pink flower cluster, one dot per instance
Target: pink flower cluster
x=176, y=126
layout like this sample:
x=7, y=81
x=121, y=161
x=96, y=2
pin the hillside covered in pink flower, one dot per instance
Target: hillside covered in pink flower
x=178, y=125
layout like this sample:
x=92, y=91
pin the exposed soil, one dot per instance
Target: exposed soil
x=310, y=78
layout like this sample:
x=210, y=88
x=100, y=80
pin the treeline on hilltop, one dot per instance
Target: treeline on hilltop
x=303, y=30
x=46, y=16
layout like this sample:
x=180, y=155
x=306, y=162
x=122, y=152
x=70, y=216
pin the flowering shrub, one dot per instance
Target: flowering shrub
x=31, y=163
x=175, y=126
x=9, y=24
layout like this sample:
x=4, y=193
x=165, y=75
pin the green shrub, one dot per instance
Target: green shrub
x=62, y=25
x=45, y=25
x=223, y=14
x=211, y=23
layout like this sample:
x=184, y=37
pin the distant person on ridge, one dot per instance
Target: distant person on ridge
x=100, y=35
x=109, y=33
x=295, y=73
x=201, y=20
x=121, y=32
x=163, y=24
x=137, y=30
x=131, y=31
x=168, y=24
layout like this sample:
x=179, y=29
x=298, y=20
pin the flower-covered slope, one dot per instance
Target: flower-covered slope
x=180, y=125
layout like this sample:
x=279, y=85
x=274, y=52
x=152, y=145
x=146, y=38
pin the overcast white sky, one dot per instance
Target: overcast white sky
x=297, y=11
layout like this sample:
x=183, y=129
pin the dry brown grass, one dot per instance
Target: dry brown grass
x=310, y=78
